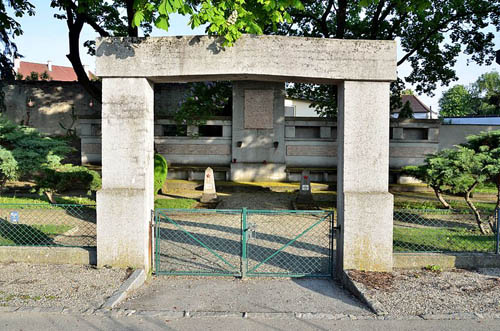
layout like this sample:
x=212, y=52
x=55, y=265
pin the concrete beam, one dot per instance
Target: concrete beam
x=278, y=58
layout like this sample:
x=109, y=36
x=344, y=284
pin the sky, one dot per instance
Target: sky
x=46, y=38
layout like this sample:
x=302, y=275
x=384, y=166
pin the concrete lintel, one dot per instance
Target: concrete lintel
x=252, y=57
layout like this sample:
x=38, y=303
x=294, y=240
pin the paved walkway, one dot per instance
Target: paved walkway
x=255, y=295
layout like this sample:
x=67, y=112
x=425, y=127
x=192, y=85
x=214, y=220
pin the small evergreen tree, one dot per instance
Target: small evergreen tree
x=406, y=112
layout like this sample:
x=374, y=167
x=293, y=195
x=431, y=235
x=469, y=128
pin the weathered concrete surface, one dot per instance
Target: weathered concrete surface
x=252, y=295
x=254, y=136
x=125, y=202
x=136, y=279
x=48, y=255
x=364, y=204
x=278, y=58
x=446, y=260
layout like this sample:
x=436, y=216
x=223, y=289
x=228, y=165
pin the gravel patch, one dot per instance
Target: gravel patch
x=257, y=200
x=425, y=292
x=68, y=286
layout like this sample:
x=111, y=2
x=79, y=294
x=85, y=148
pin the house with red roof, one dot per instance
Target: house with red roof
x=54, y=72
x=420, y=109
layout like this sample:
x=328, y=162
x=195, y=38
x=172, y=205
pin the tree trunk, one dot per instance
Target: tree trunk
x=74, y=58
x=477, y=216
x=132, y=31
x=445, y=204
x=50, y=197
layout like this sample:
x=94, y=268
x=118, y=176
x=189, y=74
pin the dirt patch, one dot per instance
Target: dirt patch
x=373, y=280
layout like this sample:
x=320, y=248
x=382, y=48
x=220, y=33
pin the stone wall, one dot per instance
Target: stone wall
x=454, y=134
x=46, y=105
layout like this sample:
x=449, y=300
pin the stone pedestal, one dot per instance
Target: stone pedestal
x=125, y=203
x=365, y=207
x=209, y=193
x=305, y=194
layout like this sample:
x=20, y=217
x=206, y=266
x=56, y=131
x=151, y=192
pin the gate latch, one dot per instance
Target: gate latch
x=252, y=227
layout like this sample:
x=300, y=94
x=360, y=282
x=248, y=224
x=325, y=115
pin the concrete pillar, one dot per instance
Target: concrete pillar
x=364, y=205
x=125, y=202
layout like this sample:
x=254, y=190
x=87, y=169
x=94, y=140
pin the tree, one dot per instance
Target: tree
x=480, y=98
x=435, y=172
x=488, y=143
x=9, y=29
x=456, y=101
x=487, y=88
x=406, y=112
x=432, y=34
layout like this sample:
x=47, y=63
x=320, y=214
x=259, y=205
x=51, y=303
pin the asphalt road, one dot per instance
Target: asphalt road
x=51, y=321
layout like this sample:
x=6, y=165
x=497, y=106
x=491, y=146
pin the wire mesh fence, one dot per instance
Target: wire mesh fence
x=289, y=243
x=198, y=242
x=435, y=230
x=243, y=243
x=47, y=225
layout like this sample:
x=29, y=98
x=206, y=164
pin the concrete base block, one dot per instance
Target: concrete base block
x=366, y=231
x=446, y=260
x=207, y=198
x=248, y=172
x=123, y=228
x=48, y=255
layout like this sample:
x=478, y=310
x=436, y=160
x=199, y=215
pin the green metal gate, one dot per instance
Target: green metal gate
x=253, y=243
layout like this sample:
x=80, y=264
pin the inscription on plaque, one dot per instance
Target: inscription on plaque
x=259, y=105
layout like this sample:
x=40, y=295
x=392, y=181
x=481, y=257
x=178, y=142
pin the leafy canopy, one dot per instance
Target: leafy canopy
x=229, y=18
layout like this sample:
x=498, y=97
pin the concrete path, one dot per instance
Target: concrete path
x=47, y=321
x=253, y=295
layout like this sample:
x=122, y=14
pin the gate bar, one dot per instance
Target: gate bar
x=244, y=231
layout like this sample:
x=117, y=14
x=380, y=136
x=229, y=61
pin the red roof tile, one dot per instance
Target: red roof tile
x=59, y=73
x=416, y=104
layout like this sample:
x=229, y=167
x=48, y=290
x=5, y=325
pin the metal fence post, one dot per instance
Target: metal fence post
x=244, y=230
x=497, y=251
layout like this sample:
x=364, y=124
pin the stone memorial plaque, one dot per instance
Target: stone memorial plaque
x=209, y=193
x=259, y=106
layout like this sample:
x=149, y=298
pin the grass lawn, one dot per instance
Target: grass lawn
x=175, y=203
x=43, y=200
x=30, y=235
x=430, y=239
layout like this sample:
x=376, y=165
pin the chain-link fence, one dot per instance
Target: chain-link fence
x=47, y=225
x=435, y=230
x=243, y=242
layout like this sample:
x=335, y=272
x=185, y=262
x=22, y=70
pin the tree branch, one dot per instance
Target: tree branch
x=324, y=18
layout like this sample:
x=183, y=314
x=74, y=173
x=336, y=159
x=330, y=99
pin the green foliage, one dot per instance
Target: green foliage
x=8, y=166
x=30, y=155
x=204, y=100
x=161, y=169
x=67, y=177
x=457, y=101
x=323, y=97
x=434, y=268
x=33, y=76
x=480, y=98
x=406, y=112
x=45, y=76
x=229, y=19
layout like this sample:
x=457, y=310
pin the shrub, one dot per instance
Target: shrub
x=67, y=177
x=8, y=167
x=161, y=169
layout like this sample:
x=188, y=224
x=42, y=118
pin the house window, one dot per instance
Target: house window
x=416, y=133
x=308, y=132
x=172, y=130
x=210, y=130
